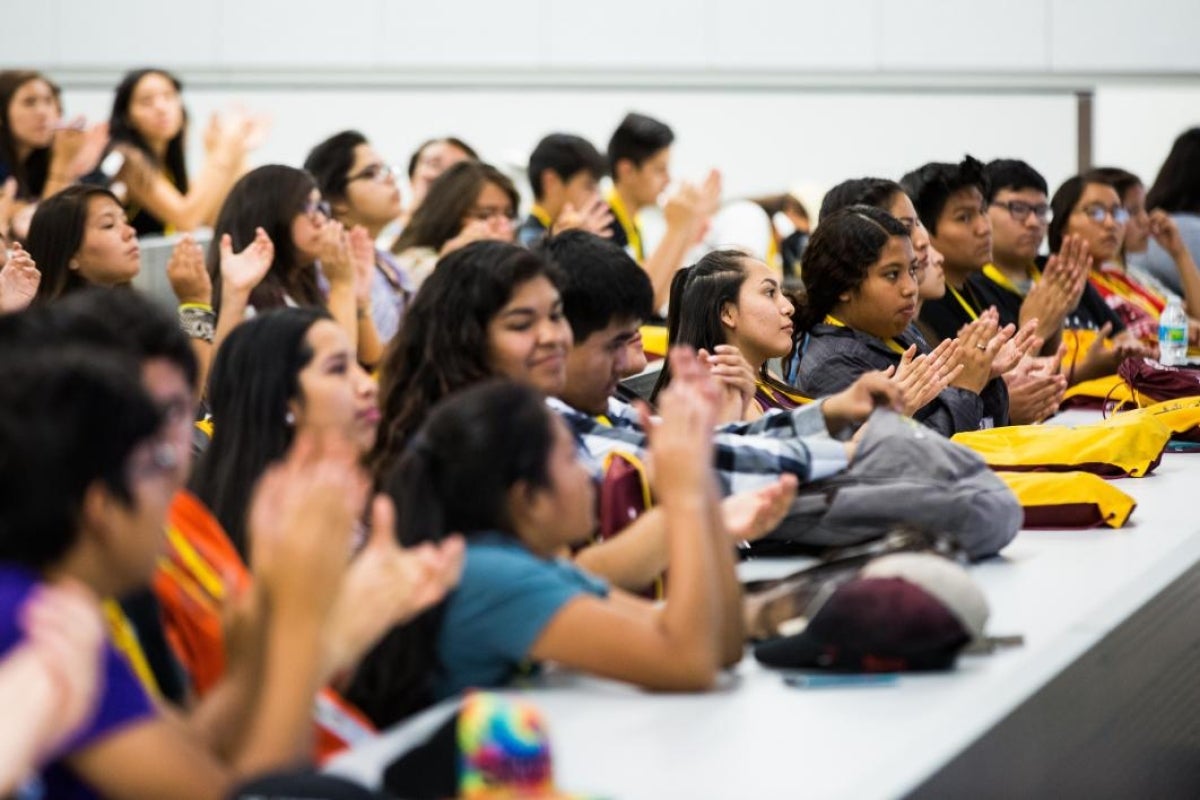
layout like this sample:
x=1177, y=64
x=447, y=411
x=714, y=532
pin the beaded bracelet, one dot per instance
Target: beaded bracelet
x=198, y=321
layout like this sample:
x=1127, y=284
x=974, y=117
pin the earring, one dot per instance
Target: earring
x=73, y=264
x=290, y=419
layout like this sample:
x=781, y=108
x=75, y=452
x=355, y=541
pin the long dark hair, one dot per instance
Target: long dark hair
x=55, y=235
x=698, y=294
x=269, y=197
x=843, y=248
x=439, y=218
x=1062, y=205
x=1177, y=187
x=255, y=374
x=442, y=344
x=477, y=444
x=121, y=127
x=32, y=172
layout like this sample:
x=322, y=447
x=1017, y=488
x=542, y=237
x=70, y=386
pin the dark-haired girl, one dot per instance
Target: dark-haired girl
x=41, y=153
x=361, y=190
x=316, y=262
x=469, y=202
x=80, y=237
x=149, y=126
x=495, y=463
x=860, y=273
x=729, y=301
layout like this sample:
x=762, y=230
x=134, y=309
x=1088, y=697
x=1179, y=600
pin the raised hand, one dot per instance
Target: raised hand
x=736, y=378
x=77, y=149
x=301, y=524
x=922, y=378
x=1023, y=342
x=978, y=344
x=1035, y=389
x=241, y=272
x=187, y=273
x=477, y=230
x=387, y=585
x=1062, y=284
x=853, y=405
x=751, y=515
x=336, y=261
x=1166, y=233
x=65, y=633
x=19, y=280
x=362, y=255
x=681, y=448
x=710, y=193
x=595, y=218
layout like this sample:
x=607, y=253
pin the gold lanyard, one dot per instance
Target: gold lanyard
x=625, y=220
x=892, y=344
x=963, y=302
x=541, y=216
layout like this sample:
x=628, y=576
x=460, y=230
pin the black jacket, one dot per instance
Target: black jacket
x=835, y=356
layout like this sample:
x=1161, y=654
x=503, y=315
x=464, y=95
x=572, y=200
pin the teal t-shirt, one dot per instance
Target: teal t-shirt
x=506, y=596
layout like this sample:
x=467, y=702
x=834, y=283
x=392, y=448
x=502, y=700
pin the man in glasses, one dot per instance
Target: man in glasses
x=1020, y=283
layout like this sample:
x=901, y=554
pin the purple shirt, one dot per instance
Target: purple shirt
x=123, y=700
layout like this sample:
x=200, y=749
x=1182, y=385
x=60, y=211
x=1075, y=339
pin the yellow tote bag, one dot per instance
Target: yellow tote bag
x=1060, y=500
x=1182, y=416
x=1096, y=392
x=1114, y=448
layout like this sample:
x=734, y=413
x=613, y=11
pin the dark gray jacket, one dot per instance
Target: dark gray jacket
x=834, y=357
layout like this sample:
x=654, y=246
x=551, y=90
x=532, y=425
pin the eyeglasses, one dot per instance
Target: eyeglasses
x=487, y=213
x=1097, y=213
x=1019, y=210
x=376, y=173
x=312, y=208
x=159, y=459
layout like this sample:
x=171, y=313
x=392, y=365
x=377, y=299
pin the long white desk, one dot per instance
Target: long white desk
x=1064, y=591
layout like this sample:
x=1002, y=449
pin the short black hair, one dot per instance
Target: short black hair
x=930, y=186
x=637, y=139
x=330, y=162
x=1014, y=175
x=566, y=155
x=69, y=416
x=600, y=282
x=124, y=320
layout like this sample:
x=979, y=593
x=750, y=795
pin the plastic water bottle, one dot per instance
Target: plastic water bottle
x=1172, y=335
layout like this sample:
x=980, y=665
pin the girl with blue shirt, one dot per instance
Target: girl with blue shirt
x=496, y=464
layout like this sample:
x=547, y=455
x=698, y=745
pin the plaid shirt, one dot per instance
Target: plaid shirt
x=747, y=455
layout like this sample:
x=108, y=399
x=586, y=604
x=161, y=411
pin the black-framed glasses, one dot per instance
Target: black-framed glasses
x=1019, y=210
x=1097, y=212
x=314, y=207
x=375, y=173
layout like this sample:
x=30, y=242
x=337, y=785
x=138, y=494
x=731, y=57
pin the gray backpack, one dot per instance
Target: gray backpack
x=902, y=474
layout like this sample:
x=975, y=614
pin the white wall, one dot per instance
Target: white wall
x=775, y=92
x=1014, y=35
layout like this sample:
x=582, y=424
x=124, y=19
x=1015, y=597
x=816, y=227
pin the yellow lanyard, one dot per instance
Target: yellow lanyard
x=892, y=344
x=1000, y=279
x=626, y=221
x=125, y=639
x=541, y=216
x=963, y=302
x=774, y=393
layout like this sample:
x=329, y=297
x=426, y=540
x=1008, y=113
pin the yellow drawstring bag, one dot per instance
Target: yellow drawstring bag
x=1060, y=500
x=1114, y=448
